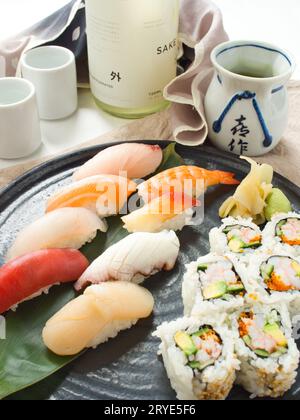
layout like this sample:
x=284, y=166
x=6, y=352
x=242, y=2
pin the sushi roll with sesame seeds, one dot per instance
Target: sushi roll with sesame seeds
x=214, y=284
x=199, y=358
x=266, y=349
x=283, y=234
x=239, y=237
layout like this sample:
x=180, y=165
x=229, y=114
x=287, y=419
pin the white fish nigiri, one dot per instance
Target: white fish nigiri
x=133, y=259
x=99, y=314
x=62, y=228
x=136, y=160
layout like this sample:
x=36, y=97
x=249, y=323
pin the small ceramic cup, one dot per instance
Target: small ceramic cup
x=246, y=105
x=52, y=70
x=20, y=133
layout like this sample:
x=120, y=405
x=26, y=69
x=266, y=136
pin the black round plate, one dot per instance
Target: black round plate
x=126, y=367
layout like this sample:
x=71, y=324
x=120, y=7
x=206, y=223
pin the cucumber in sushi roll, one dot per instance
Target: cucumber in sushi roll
x=268, y=354
x=283, y=234
x=213, y=284
x=236, y=236
x=275, y=278
x=199, y=358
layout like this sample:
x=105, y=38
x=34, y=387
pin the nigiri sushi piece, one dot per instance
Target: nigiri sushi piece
x=137, y=160
x=133, y=259
x=170, y=211
x=103, y=194
x=191, y=180
x=62, y=228
x=29, y=276
x=99, y=314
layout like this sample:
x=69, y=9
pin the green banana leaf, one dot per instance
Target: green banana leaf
x=24, y=360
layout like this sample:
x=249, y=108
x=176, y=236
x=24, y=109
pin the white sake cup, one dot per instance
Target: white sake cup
x=20, y=133
x=52, y=70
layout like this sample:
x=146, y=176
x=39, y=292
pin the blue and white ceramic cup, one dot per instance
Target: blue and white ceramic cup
x=246, y=104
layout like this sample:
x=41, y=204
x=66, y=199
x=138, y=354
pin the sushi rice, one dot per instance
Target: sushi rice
x=236, y=236
x=213, y=382
x=263, y=374
x=214, y=284
x=283, y=234
x=44, y=291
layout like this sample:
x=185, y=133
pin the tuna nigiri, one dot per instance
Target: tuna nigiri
x=63, y=228
x=169, y=211
x=137, y=160
x=28, y=276
x=133, y=259
x=190, y=180
x=99, y=314
x=104, y=194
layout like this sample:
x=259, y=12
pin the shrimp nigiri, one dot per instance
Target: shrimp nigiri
x=104, y=194
x=133, y=259
x=137, y=160
x=27, y=277
x=99, y=314
x=62, y=228
x=190, y=180
x=169, y=211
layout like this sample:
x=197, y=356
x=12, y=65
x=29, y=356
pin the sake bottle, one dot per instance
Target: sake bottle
x=132, y=50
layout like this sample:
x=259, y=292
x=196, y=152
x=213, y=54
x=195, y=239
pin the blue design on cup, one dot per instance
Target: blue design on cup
x=247, y=95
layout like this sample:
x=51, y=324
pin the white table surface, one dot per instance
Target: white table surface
x=275, y=21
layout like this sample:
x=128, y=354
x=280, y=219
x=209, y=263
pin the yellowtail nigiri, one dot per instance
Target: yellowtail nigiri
x=190, y=180
x=104, y=194
x=63, y=228
x=99, y=314
x=136, y=160
x=133, y=259
x=170, y=211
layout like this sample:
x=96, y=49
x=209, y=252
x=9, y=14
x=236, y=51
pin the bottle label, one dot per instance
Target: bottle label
x=133, y=49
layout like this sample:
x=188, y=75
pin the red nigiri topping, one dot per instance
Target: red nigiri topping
x=27, y=275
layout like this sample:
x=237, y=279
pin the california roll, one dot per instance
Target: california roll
x=283, y=233
x=199, y=358
x=275, y=278
x=213, y=284
x=268, y=354
x=237, y=236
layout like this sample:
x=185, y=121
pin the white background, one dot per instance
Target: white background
x=275, y=21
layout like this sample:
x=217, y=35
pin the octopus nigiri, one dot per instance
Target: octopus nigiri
x=169, y=211
x=133, y=259
x=99, y=314
x=136, y=160
x=28, y=276
x=62, y=228
x=191, y=180
x=104, y=194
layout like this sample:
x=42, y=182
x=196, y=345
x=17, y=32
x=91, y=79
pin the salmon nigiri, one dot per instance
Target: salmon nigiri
x=104, y=194
x=170, y=211
x=191, y=180
x=137, y=160
x=28, y=276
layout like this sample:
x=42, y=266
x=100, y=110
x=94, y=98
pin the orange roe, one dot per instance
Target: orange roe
x=211, y=334
x=276, y=284
x=256, y=239
x=243, y=327
x=290, y=242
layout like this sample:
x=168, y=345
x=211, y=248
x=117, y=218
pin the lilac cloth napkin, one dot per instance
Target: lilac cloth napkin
x=201, y=29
